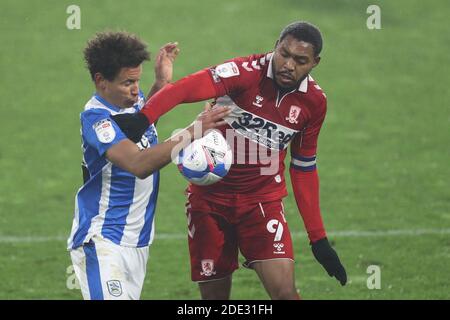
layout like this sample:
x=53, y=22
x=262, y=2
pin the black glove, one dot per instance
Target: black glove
x=329, y=259
x=132, y=124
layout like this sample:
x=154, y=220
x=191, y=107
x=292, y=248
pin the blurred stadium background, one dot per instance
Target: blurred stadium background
x=383, y=152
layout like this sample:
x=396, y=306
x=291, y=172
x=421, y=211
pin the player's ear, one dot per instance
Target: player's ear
x=276, y=44
x=99, y=80
x=316, y=61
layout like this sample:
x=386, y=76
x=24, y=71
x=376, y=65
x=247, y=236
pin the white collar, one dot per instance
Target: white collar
x=269, y=68
x=304, y=85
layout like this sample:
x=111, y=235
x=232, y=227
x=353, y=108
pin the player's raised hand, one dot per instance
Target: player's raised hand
x=329, y=259
x=208, y=120
x=164, y=62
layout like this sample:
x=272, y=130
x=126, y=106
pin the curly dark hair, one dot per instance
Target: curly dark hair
x=108, y=52
x=304, y=31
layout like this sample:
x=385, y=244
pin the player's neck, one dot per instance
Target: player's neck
x=106, y=99
x=283, y=91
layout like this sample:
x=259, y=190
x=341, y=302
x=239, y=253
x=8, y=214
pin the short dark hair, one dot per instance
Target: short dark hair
x=304, y=31
x=108, y=52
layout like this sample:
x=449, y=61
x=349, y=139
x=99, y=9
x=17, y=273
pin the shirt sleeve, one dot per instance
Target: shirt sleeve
x=231, y=78
x=214, y=82
x=303, y=172
x=99, y=131
x=306, y=192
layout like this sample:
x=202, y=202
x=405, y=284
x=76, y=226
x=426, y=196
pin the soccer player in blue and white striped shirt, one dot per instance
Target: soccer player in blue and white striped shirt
x=113, y=224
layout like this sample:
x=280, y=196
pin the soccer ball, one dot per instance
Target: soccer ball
x=206, y=160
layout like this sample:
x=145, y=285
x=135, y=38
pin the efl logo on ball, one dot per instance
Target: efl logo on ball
x=206, y=160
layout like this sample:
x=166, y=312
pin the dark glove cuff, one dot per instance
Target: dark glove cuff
x=318, y=242
x=142, y=121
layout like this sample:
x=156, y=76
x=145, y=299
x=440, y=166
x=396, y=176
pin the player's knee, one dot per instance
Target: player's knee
x=215, y=290
x=285, y=293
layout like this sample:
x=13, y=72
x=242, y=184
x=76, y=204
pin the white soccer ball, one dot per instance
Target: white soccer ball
x=206, y=160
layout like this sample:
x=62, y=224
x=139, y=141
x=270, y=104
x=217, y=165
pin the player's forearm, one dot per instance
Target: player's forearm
x=193, y=88
x=155, y=158
x=158, y=85
x=306, y=191
x=126, y=154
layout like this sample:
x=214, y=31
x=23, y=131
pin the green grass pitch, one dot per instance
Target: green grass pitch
x=383, y=151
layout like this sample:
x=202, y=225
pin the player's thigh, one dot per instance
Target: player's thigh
x=212, y=242
x=105, y=270
x=135, y=263
x=218, y=289
x=78, y=258
x=263, y=233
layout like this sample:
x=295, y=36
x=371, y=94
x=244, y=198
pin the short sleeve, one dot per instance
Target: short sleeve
x=99, y=130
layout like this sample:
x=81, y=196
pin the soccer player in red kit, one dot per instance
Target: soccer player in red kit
x=275, y=102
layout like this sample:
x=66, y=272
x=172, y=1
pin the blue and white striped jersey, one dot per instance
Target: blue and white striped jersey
x=112, y=203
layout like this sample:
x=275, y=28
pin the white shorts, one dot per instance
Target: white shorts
x=107, y=271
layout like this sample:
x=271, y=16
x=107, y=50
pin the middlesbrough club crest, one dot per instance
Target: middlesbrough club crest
x=208, y=268
x=294, y=112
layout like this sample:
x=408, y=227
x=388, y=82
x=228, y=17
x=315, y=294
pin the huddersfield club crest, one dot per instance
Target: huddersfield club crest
x=294, y=112
x=114, y=288
x=208, y=268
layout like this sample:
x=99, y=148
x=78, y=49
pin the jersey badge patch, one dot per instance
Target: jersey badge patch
x=227, y=70
x=105, y=131
x=294, y=112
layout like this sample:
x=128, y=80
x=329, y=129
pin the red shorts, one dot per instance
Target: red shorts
x=217, y=232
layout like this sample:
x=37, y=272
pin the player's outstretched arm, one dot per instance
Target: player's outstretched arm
x=193, y=88
x=305, y=185
x=127, y=155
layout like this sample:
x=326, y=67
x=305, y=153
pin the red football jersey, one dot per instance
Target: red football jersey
x=263, y=123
